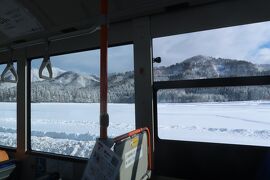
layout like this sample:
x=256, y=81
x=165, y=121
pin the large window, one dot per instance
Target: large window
x=8, y=107
x=213, y=86
x=235, y=115
x=65, y=110
x=227, y=52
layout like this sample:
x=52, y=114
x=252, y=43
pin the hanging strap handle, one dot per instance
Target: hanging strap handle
x=9, y=68
x=46, y=63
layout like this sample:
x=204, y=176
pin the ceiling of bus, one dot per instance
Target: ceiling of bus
x=27, y=20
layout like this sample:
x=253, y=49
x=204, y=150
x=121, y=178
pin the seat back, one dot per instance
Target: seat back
x=3, y=156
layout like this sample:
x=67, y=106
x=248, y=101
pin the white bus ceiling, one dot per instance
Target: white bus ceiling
x=26, y=26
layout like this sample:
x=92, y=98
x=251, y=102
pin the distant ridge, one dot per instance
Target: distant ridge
x=68, y=86
x=201, y=67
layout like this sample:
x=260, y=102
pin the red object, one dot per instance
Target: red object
x=103, y=70
x=138, y=131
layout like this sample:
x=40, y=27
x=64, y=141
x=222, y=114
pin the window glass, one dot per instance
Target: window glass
x=65, y=110
x=234, y=115
x=226, y=52
x=8, y=111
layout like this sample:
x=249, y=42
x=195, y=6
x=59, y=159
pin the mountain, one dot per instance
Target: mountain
x=70, y=78
x=4, y=86
x=68, y=86
x=73, y=87
x=264, y=67
x=201, y=67
x=35, y=76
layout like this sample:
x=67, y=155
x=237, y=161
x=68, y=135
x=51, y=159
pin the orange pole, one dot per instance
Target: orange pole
x=104, y=117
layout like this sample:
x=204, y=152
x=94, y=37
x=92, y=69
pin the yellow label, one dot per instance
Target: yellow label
x=134, y=142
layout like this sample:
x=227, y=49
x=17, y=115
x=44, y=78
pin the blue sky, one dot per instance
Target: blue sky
x=120, y=59
x=3, y=66
x=247, y=42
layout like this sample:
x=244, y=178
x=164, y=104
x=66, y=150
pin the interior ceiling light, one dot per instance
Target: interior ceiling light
x=16, y=20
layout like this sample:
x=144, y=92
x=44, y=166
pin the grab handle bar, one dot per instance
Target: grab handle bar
x=4, y=74
x=46, y=63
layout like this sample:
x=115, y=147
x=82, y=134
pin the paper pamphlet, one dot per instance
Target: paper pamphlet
x=103, y=164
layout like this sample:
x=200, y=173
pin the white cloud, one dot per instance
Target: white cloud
x=239, y=42
x=120, y=59
x=263, y=55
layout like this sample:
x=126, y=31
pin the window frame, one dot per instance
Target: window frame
x=204, y=83
x=232, y=81
x=8, y=148
x=29, y=150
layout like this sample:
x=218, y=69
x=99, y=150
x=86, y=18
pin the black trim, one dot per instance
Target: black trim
x=217, y=144
x=214, y=82
x=28, y=89
x=6, y=62
x=7, y=148
x=156, y=138
x=195, y=160
x=57, y=156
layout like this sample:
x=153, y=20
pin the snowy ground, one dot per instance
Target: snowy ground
x=65, y=128
x=231, y=122
x=71, y=129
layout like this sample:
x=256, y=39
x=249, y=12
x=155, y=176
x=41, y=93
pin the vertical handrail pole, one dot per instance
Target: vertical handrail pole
x=104, y=117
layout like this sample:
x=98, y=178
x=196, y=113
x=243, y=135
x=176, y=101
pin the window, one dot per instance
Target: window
x=8, y=111
x=65, y=110
x=212, y=86
x=227, y=52
x=235, y=115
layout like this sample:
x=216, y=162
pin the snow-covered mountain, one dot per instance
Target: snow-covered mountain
x=35, y=77
x=200, y=67
x=73, y=87
x=70, y=78
x=264, y=67
x=7, y=85
x=67, y=86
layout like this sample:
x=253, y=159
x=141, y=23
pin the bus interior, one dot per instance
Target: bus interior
x=134, y=89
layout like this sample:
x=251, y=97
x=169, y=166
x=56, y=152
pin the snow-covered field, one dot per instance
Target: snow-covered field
x=71, y=128
x=229, y=122
x=65, y=128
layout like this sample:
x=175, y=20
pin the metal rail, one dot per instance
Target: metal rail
x=214, y=82
x=54, y=38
